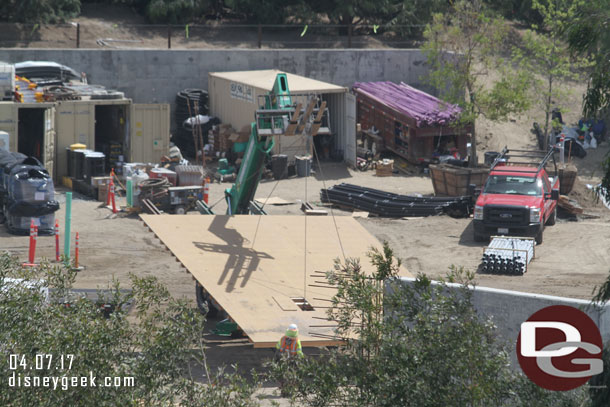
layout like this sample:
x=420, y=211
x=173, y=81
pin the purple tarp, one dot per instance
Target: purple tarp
x=424, y=108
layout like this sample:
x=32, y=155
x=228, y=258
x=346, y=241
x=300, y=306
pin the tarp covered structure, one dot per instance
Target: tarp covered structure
x=421, y=106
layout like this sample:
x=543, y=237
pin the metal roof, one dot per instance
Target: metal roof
x=263, y=79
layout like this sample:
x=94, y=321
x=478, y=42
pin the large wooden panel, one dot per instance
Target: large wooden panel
x=254, y=265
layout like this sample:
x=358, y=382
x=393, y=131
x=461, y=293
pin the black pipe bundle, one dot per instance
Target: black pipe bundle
x=393, y=205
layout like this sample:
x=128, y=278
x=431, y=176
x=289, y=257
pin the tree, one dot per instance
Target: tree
x=588, y=34
x=176, y=11
x=38, y=11
x=159, y=345
x=346, y=12
x=462, y=47
x=546, y=57
x=411, y=345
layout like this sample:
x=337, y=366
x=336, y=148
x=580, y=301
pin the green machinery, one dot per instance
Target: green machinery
x=278, y=116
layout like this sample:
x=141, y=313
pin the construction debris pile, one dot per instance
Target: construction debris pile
x=507, y=255
x=26, y=193
x=392, y=205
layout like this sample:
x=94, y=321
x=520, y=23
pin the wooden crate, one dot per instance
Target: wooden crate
x=384, y=168
x=449, y=180
x=567, y=177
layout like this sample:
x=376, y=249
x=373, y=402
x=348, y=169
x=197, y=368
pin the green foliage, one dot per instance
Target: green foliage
x=176, y=11
x=159, y=344
x=516, y=10
x=411, y=345
x=414, y=15
x=588, y=33
x=546, y=56
x=266, y=11
x=462, y=46
x=38, y=11
x=355, y=11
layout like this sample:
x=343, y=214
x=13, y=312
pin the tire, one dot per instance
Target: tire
x=180, y=210
x=480, y=238
x=539, y=236
x=553, y=218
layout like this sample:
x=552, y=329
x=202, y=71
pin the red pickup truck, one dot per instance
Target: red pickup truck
x=519, y=198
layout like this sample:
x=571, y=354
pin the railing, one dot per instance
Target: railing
x=101, y=35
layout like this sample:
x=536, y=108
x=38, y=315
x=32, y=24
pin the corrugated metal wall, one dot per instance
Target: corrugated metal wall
x=149, y=132
x=233, y=102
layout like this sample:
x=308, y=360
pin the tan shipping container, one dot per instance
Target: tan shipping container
x=234, y=98
x=31, y=129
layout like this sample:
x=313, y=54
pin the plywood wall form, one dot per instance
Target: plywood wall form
x=254, y=266
x=234, y=99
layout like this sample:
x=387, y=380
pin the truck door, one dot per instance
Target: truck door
x=546, y=189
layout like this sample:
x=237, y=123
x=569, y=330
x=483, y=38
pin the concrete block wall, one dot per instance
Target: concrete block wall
x=508, y=309
x=155, y=76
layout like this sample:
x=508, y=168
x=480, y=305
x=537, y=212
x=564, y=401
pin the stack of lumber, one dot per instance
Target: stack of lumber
x=569, y=205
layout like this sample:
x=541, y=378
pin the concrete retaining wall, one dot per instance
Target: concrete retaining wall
x=154, y=76
x=508, y=309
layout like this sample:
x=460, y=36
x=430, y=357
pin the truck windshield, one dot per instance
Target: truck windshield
x=514, y=185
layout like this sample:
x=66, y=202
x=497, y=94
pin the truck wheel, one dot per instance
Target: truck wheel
x=539, y=236
x=180, y=210
x=553, y=218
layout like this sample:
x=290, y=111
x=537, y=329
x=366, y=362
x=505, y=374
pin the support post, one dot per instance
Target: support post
x=169, y=36
x=67, y=226
x=349, y=35
x=77, y=35
x=260, y=35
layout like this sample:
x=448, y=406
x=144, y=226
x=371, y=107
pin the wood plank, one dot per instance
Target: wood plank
x=248, y=279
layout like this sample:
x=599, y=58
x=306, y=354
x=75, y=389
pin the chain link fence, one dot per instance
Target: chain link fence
x=122, y=36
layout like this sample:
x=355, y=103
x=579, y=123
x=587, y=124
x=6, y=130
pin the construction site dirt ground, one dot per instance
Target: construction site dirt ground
x=572, y=261
x=574, y=258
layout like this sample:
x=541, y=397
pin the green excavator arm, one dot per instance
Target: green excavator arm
x=259, y=146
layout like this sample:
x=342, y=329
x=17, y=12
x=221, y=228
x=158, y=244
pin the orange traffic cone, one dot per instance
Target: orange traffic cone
x=206, y=190
x=33, y=237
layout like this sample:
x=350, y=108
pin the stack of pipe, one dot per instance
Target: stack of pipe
x=387, y=204
x=507, y=255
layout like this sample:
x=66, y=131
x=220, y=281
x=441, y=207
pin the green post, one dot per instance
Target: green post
x=129, y=187
x=68, y=221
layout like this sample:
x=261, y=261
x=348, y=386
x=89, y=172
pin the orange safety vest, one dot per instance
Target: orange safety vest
x=289, y=345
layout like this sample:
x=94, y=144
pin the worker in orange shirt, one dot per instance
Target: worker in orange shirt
x=289, y=344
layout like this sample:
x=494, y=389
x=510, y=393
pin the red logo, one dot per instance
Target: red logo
x=559, y=348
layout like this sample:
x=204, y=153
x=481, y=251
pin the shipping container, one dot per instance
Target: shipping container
x=115, y=127
x=234, y=98
x=31, y=129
